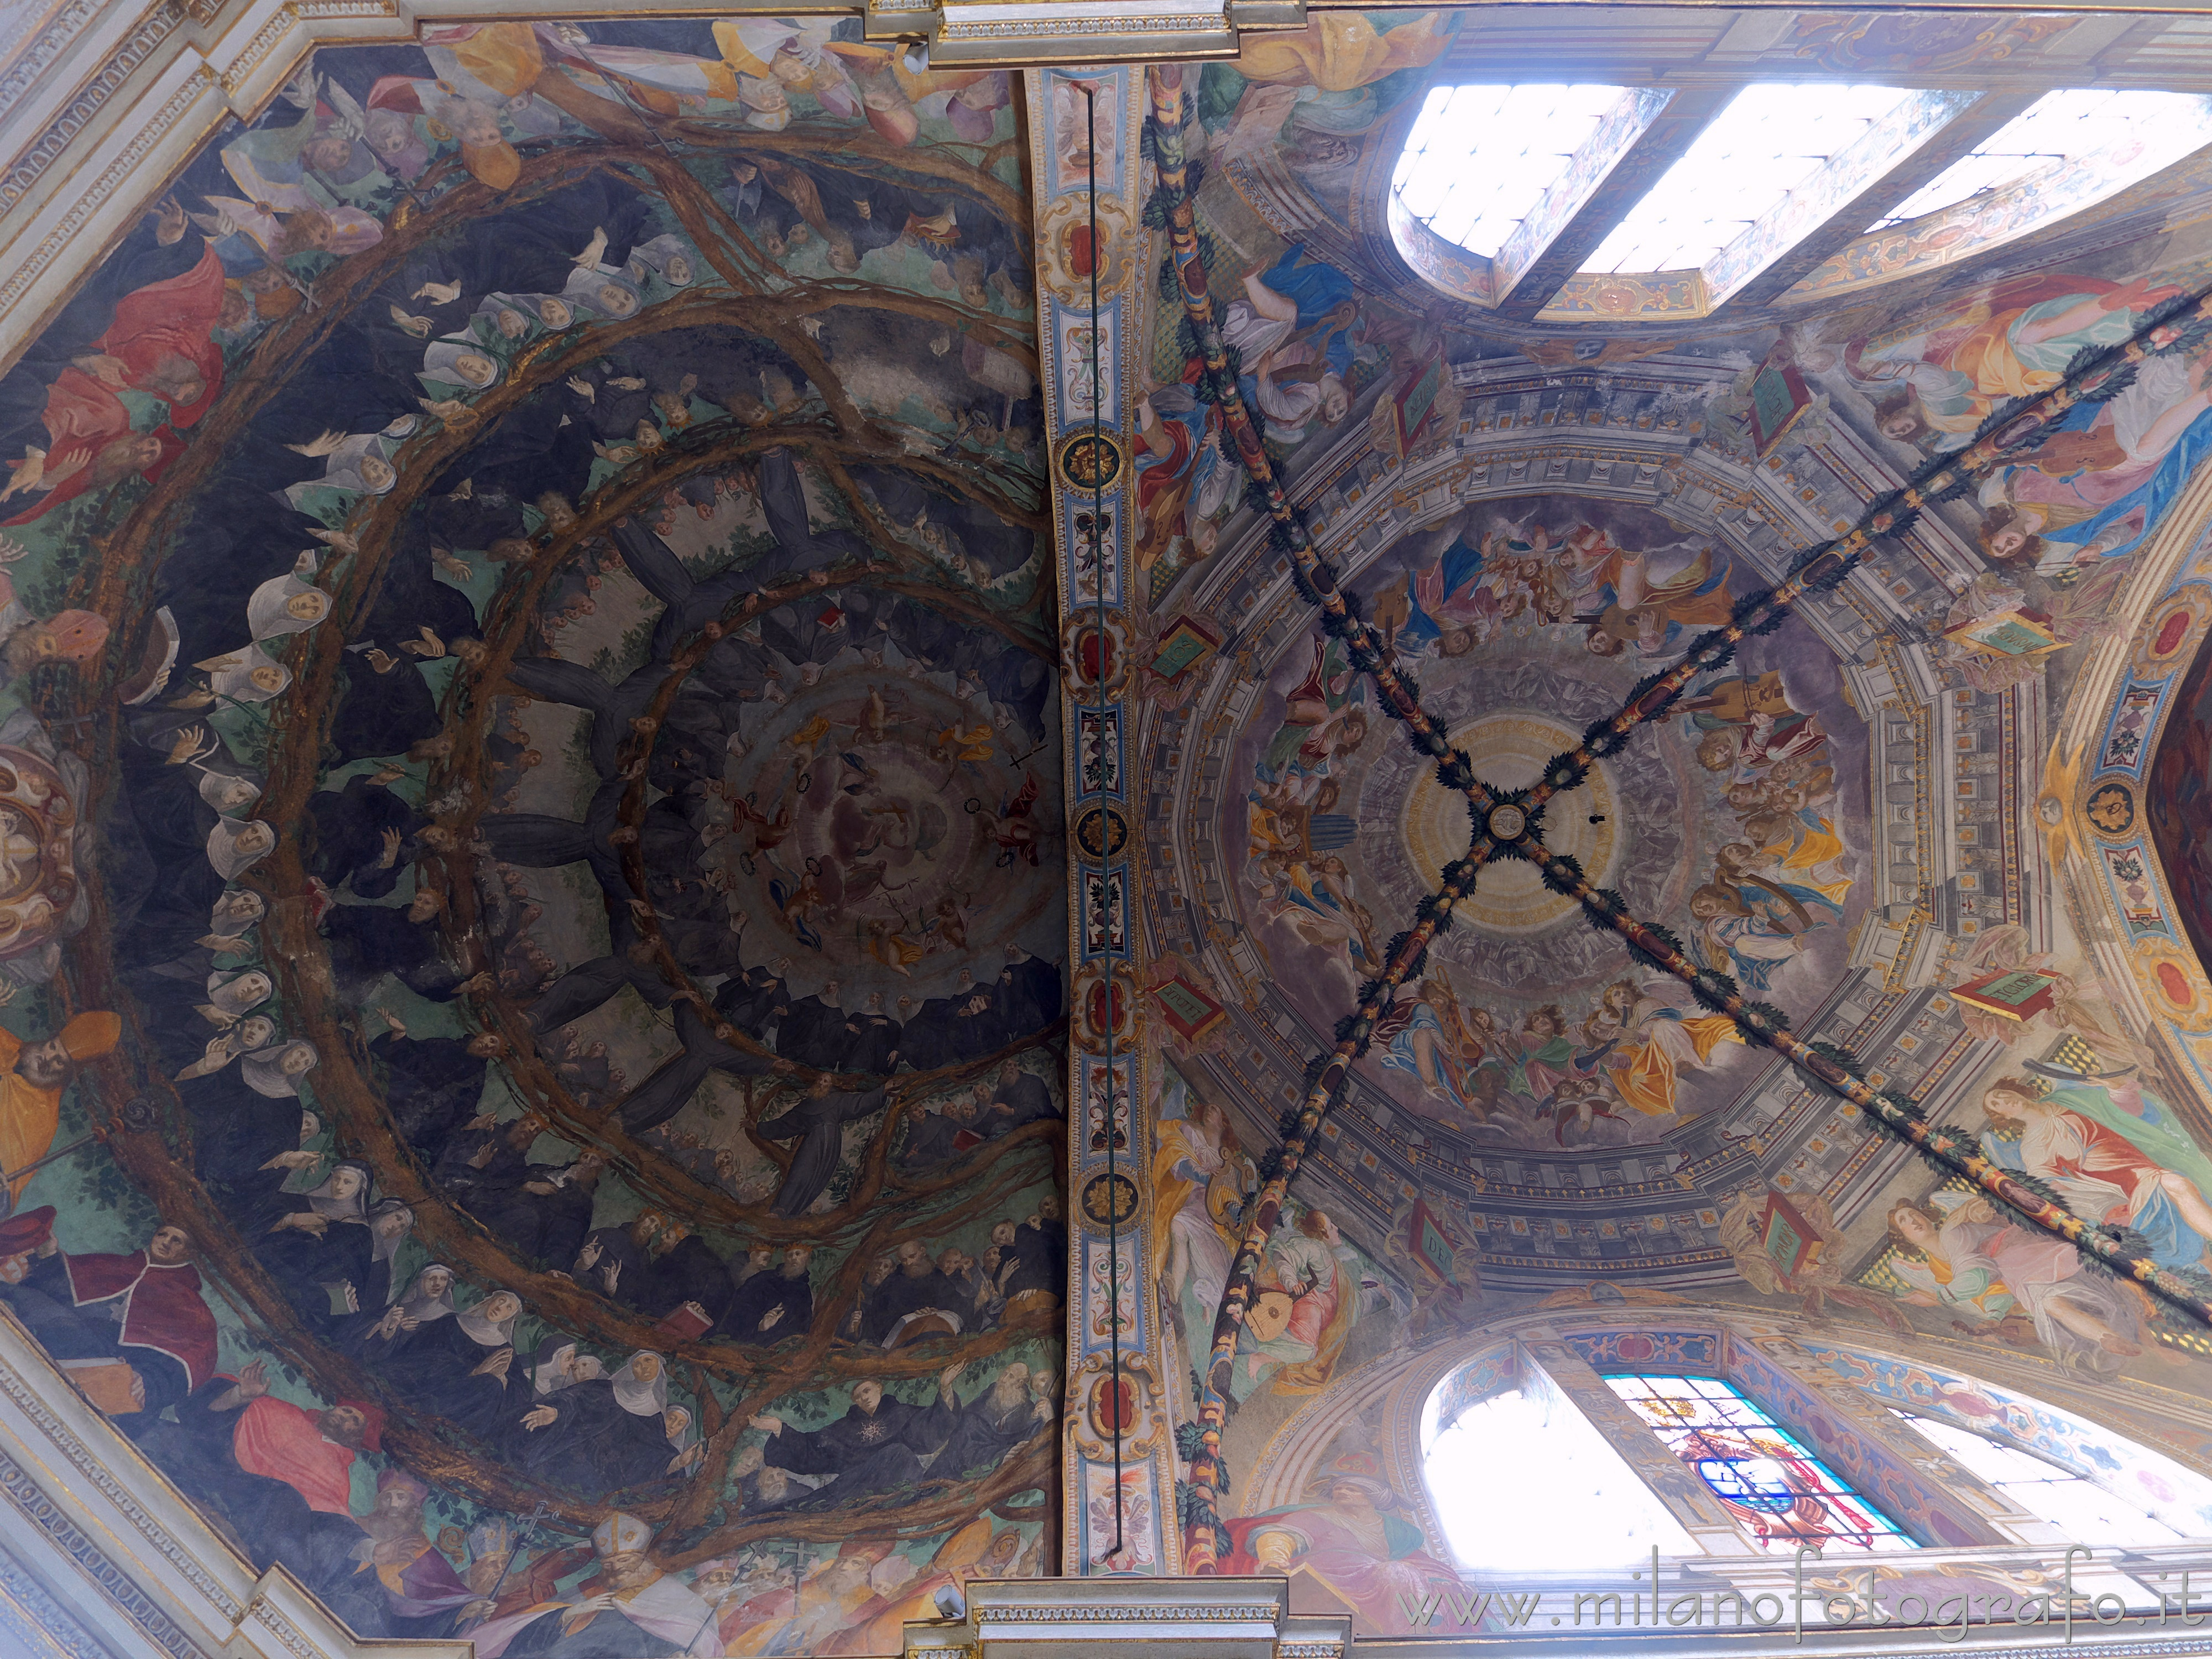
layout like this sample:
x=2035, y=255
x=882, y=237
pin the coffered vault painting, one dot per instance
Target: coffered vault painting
x=534, y=956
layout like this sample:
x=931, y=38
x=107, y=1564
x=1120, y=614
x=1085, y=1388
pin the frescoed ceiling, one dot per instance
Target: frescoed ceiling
x=535, y=790
x=549, y=575
x=1854, y=817
x=1825, y=819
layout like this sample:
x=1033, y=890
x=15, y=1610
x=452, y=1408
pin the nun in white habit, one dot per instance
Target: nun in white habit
x=231, y=997
x=256, y=1031
x=381, y=1335
x=360, y=465
x=668, y=257
x=248, y=676
x=458, y=1370
x=607, y=1437
x=564, y=1368
x=459, y=365
x=321, y=1247
x=602, y=291
x=288, y=604
x=390, y=1221
x=234, y=847
x=230, y=791
x=276, y=1072
x=552, y=311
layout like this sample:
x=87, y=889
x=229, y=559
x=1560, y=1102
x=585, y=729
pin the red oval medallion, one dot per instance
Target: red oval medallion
x=2175, y=984
x=1113, y=1406
x=1095, y=655
x=1078, y=243
x=2171, y=632
x=1105, y=1015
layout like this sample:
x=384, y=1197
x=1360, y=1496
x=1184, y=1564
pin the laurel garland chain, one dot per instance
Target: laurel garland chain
x=2094, y=375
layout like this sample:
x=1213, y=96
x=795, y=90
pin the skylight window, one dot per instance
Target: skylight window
x=2137, y=132
x=1480, y=157
x=1575, y=1498
x=2086, y=1513
x=1771, y=139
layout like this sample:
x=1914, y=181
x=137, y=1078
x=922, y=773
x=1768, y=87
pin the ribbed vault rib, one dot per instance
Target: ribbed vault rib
x=1672, y=132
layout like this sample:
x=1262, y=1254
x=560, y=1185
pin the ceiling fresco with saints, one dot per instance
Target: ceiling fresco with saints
x=1903, y=817
x=534, y=787
x=1529, y=617
x=544, y=587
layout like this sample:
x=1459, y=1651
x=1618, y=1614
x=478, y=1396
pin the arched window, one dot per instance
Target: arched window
x=1576, y=1492
x=1575, y=1498
x=2085, y=1512
x=2114, y=1490
x=1777, y=1488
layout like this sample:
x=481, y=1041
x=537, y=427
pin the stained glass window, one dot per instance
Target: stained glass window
x=1770, y=1482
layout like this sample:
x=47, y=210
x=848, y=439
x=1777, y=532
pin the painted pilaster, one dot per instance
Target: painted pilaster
x=1083, y=128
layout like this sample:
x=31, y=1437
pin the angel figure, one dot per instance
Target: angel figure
x=1650, y=1043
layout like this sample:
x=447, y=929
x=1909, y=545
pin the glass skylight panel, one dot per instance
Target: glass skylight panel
x=2085, y=1511
x=1574, y=1497
x=2162, y=127
x=1481, y=156
x=1771, y=139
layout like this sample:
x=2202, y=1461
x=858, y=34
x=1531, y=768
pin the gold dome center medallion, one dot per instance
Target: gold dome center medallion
x=1509, y=751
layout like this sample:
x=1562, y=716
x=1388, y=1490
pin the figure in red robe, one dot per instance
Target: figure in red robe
x=160, y=345
x=311, y=1452
x=163, y=1312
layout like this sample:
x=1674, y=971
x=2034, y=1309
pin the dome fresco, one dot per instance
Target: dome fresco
x=619, y=708
x=558, y=785
x=1529, y=617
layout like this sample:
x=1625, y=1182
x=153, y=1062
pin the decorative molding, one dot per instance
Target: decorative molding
x=81, y=1458
x=235, y=72
x=113, y=178
x=39, y=56
x=35, y=159
x=121, y=1590
x=40, y=1623
x=1086, y=27
x=1135, y=1613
